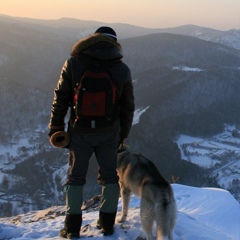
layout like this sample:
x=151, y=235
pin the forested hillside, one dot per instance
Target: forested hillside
x=190, y=86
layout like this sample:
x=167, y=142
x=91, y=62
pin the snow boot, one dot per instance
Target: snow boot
x=72, y=226
x=106, y=222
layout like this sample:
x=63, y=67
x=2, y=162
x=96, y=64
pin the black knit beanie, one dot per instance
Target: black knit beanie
x=107, y=31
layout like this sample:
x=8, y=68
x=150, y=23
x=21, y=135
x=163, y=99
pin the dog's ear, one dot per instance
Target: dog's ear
x=123, y=148
x=123, y=152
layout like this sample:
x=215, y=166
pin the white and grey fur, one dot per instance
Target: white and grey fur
x=140, y=176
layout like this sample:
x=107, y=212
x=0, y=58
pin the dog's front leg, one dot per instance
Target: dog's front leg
x=125, y=194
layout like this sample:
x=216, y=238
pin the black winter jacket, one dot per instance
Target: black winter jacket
x=94, y=50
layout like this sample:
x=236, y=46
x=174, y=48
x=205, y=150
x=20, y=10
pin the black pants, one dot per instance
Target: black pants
x=81, y=148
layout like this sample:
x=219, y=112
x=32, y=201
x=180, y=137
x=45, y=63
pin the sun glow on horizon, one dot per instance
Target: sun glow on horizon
x=219, y=14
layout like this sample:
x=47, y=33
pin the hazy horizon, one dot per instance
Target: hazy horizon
x=218, y=14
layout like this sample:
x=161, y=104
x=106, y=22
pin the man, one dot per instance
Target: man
x=98, y=50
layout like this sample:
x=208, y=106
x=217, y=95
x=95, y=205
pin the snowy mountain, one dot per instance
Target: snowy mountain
x=230, y=38
x=186, y=83
x=75, y=29
x=203, y=213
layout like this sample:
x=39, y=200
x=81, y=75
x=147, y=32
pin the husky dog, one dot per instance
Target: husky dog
x=140, y=176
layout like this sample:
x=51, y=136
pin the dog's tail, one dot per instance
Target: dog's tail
x=165, y=213
x=164, y=207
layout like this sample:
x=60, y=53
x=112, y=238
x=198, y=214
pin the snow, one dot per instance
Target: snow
x=137, y=114
x=187, y=69
x=21, y=140
x=3, y=59
x=200, y=150
x=219, y=153
x=203, y=214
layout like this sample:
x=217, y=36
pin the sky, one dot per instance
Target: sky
x=217, y=14
x=202, y=213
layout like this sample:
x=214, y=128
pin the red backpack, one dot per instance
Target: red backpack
x=94, y=99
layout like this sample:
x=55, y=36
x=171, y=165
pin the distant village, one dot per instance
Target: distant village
x=220, y=154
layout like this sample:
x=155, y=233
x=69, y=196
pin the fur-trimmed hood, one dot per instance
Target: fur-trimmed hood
x=98, y=46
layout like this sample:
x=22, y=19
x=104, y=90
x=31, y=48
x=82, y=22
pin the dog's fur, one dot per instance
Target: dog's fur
x=140, y=176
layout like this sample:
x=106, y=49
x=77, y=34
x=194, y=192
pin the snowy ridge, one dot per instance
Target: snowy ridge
x=203, y=213
x=229, y=38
